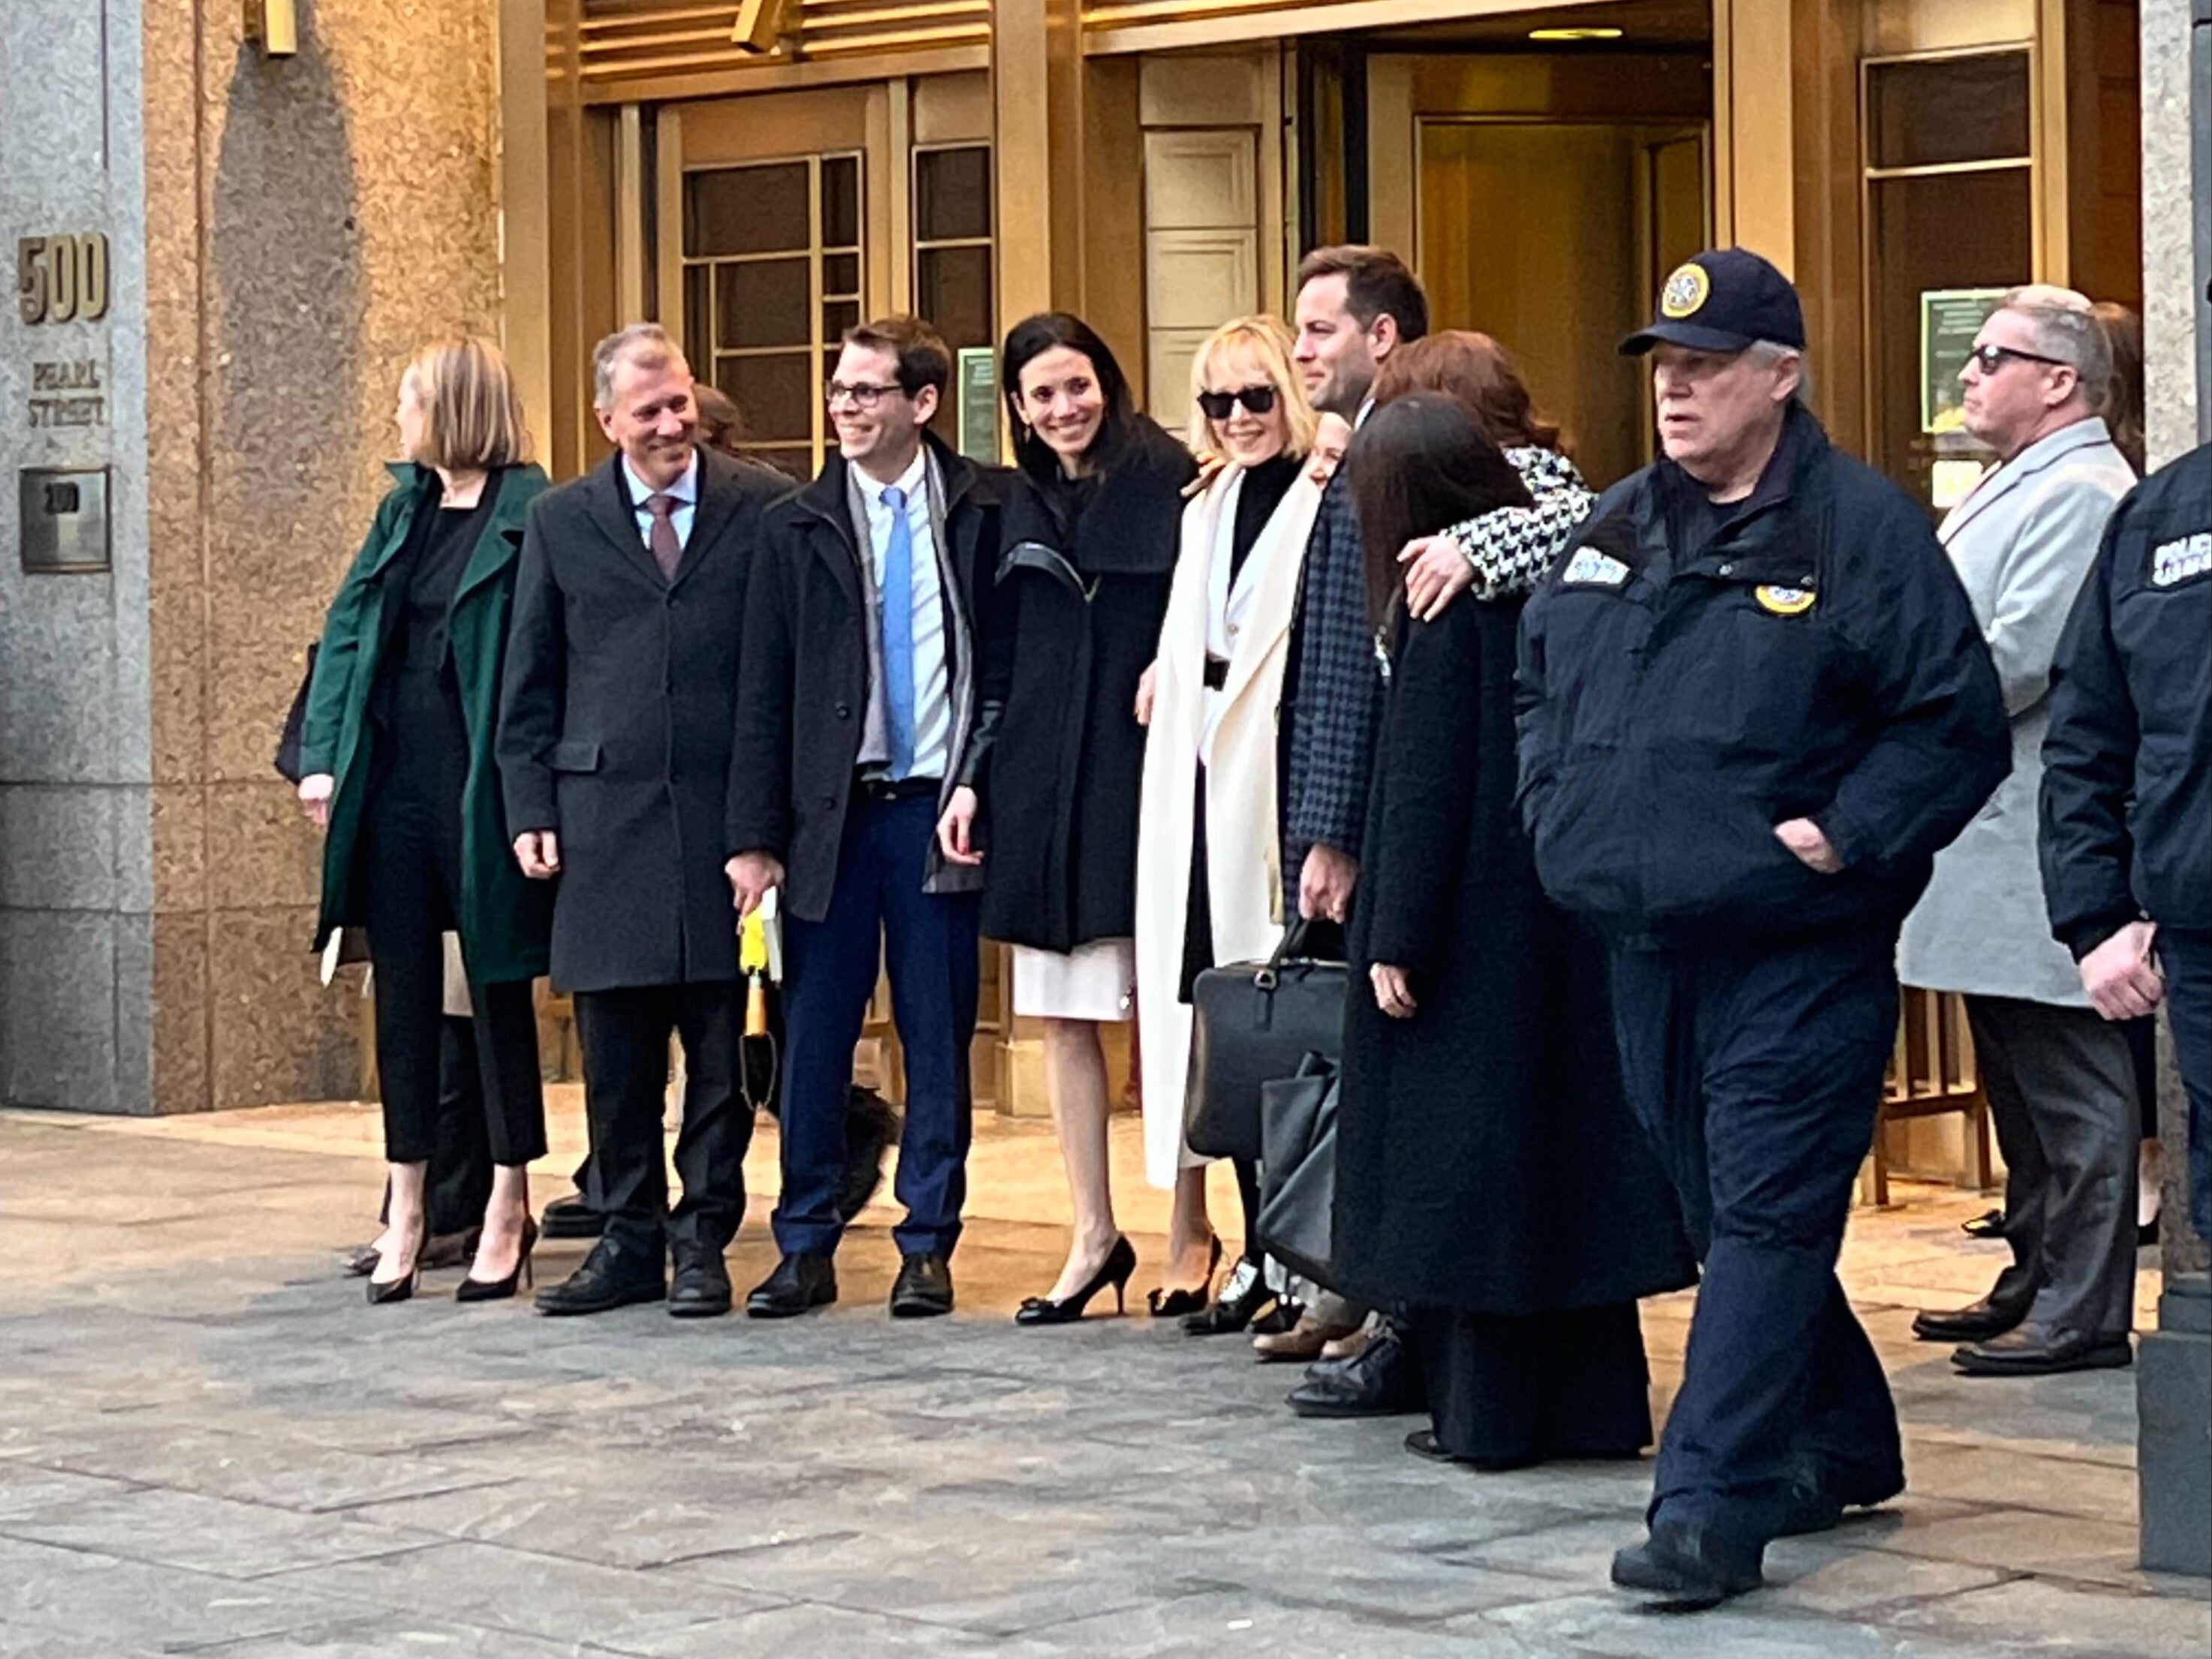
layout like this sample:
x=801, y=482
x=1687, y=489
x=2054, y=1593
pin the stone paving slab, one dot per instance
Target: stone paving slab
x=208, y=1445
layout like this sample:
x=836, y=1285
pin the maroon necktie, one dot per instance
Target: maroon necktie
x=667, y=551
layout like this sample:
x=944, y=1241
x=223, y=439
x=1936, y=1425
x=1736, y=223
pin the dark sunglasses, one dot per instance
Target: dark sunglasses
x=1991, y=358
x=1256, y=399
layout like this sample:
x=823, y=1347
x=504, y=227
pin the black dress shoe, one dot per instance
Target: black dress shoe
x=1990, y=1224
x=924, y=1290
x=799, y=1284
x=1242, y=1300
x=1975, y=1323
x=700, y=1287
x=570, y=1217
x=1817, y=1504
x=2043, y=1351
x=1381, y=1380
x=1423, y=1443
x=610, y=1278
x=1686, y=1569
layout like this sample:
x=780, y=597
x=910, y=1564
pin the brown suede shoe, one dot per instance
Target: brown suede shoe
x=1304, y=1341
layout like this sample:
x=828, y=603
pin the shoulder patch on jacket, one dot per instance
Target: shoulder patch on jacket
x=1591, y=568
x=2178, y=560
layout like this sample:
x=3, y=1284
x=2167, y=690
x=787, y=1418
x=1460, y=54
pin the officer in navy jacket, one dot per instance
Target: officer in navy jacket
x=1755, y=704
x=2127, y=780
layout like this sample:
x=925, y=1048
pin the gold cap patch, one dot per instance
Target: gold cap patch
x=1783, y=601
x=1685, y=291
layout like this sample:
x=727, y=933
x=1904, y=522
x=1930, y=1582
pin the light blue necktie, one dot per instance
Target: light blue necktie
x=899, y=637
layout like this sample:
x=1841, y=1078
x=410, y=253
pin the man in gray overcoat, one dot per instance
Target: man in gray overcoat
x=2060, y=1079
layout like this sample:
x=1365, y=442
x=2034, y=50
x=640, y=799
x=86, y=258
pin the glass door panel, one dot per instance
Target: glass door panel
x=772, y=262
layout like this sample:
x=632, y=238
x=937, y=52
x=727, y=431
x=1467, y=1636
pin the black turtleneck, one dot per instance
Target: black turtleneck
x=1262, y=492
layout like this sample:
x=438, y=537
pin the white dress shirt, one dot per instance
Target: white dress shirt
x=932, y=697
x=685, y=490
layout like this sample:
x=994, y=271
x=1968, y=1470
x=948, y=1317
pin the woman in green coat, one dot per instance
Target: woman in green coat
x=397, y=754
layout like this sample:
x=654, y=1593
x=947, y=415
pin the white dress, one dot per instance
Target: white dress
x=1095, y=981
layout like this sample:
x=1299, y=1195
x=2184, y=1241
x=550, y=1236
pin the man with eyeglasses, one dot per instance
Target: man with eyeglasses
x=2060, y=1077
x=864, y=630
x=614, y=753
x=1754, y=703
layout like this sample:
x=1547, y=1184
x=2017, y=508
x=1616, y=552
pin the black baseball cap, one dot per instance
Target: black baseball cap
x=1723, y=300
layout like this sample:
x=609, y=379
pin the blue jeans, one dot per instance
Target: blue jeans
x=1758, y=1073
x=2187, y=959
x=931, y=944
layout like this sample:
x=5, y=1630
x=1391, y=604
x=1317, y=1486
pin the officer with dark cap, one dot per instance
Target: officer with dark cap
x=1755, y=705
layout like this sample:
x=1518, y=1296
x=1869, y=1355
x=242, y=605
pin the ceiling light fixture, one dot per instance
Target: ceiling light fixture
x=1584, y=33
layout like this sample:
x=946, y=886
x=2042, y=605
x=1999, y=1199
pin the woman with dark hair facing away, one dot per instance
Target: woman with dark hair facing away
x=2122, y=403
x=1490, y=1177
x=396, y=757
x=1091, y=529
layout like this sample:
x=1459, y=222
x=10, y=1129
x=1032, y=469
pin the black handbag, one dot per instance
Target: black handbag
x=1297, y=1162
x=295, y=721
x=1252, y=1022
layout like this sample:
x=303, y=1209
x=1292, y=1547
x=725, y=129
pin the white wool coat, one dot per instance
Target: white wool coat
x=1243, y=846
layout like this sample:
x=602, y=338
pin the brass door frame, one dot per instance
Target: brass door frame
x=2039, y=217
x=1647, y=133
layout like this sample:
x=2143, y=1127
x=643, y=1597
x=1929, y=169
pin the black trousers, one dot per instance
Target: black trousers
x=625, y=1034
x=412, y=865
x=2064, y=1099
x=1757, y=1070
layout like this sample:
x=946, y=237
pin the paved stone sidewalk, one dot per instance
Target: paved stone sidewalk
x=208, y=1445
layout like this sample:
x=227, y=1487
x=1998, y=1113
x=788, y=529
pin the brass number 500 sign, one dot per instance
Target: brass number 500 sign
x=60, y=279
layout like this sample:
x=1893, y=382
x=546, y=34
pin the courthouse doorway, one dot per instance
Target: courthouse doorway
x=1544, y=198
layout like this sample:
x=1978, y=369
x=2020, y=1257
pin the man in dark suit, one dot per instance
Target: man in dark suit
x=614, y=751
x=863, y=634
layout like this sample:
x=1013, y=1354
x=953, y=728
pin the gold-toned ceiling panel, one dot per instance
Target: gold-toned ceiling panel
x=627, y=41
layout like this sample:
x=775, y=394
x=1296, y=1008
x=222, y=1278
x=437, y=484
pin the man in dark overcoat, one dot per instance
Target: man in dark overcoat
x=614, y=751
x=862, y=651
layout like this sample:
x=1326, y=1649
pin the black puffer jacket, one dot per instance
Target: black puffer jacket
x=1683, y=692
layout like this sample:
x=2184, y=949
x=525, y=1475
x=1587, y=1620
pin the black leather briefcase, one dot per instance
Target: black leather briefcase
x=1254, y=1022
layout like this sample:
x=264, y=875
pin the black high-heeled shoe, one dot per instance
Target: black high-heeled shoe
x=383, y=1291
x=1121, y=1261
x=1232, y=1314
x=498, y=1289
x=1168, y=1305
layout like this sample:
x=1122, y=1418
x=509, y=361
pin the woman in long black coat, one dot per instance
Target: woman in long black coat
x=1091, y=527
x=1490, y=1175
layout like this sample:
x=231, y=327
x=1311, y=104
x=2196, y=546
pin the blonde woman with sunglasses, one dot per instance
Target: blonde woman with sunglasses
x=1209, y=880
